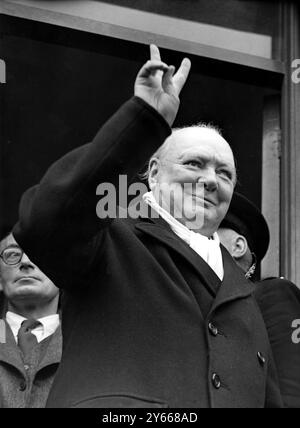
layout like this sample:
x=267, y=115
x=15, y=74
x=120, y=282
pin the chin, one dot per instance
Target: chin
x=210, y=225
x=27, y=291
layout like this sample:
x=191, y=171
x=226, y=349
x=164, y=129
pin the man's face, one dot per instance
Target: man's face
x=24, y=282
x=197, y=156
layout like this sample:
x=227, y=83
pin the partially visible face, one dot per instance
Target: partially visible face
x=227, y=238
x=196, y=155
x=24, y=282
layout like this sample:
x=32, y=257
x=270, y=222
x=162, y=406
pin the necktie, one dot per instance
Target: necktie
x=26, y=339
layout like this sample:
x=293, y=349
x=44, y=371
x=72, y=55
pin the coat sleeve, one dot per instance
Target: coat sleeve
x=58, y=226
x=279, y=301
x=273, y=393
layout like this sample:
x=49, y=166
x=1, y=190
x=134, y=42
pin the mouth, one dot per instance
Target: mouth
x=28, y=279
x=205, y=201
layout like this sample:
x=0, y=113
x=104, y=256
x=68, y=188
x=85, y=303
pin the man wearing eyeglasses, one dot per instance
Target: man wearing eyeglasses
x=30, y=333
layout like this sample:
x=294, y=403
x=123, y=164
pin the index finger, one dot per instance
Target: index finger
x=154, y=53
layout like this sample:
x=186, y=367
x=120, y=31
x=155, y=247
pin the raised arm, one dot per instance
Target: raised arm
x=57, y=218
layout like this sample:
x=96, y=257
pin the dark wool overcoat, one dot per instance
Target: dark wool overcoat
x=146, y=322
x=279, y=301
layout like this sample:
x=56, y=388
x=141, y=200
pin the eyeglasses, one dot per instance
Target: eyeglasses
x=12, y=256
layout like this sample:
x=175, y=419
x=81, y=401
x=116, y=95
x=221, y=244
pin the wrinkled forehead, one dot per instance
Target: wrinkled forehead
x=201, y=142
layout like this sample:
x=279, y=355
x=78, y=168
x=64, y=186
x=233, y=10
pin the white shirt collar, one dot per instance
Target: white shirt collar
x=208, y=249
x=48, y=325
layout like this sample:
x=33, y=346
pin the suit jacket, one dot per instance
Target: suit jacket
x=279, y=301
x=146, y=321
x=27, y=386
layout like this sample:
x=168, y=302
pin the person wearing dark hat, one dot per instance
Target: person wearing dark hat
x=30, y=332
x=245, y=234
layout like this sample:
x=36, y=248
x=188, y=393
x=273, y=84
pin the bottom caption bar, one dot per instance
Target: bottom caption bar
x=134, y=417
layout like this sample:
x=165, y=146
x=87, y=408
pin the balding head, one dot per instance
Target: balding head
x=201, y=133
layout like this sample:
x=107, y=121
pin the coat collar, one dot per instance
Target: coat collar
x=234, y=285
x=9, y=350
x=159, y=229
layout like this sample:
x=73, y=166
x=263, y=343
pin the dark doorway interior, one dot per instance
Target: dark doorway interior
x=62, y=85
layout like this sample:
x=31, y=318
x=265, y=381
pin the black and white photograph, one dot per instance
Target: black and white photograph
x=149, y=206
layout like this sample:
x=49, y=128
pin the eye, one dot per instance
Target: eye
x=194, y=163
x=226, y=173
x=12, y=254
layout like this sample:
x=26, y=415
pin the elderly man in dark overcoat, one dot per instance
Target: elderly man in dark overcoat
x=156, y=312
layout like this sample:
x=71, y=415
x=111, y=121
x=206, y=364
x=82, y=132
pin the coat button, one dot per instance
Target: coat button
x=261, y=358
x=23, y=386
x=213, y=329
x=216, y=381
x=26, y=367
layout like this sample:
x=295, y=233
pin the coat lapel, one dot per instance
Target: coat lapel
x=160, y=230
x=9, y=350
x=234, y=285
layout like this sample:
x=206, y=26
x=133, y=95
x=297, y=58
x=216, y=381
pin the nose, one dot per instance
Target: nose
x=26, y=263
x=209, y=179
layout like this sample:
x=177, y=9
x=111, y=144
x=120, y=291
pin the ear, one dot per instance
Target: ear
x=240, y=247
x=154, y=167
